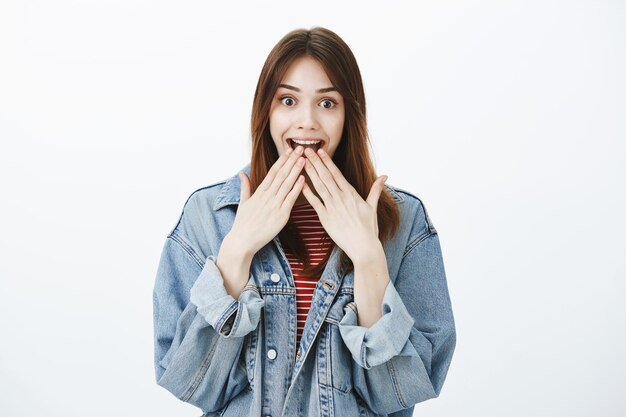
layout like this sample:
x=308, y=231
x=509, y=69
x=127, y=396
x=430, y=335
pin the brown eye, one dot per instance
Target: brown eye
x=328, y=104
x=287, y=101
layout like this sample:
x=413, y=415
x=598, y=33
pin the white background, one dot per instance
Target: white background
x=505, y=117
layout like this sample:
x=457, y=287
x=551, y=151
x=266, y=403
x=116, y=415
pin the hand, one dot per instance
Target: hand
x=263, y=215
x=350, y=221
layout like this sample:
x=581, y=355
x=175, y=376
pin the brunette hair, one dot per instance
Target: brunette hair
x=352, y=155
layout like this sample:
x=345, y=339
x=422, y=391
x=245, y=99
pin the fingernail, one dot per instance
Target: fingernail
x=299, y=149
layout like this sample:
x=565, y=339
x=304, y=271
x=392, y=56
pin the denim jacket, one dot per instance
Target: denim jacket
x=237, y=357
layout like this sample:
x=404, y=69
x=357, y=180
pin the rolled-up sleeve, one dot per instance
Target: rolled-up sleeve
x=385, y=339
x=403, y=358
x=193, y=360
x=229, y=317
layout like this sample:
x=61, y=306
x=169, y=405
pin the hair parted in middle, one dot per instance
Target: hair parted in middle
x=352, y=156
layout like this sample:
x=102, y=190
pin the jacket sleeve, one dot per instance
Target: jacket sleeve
x=404, y=357
x=199, y=328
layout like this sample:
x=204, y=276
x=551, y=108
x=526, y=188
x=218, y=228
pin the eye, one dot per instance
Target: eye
x=328, y=103
x=287, y=101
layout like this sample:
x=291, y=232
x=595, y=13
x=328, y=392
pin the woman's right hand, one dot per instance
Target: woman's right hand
x=262, y=215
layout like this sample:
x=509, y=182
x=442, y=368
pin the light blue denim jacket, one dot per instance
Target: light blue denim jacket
x=237, y=357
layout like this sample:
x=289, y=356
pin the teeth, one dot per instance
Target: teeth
x=306, y=142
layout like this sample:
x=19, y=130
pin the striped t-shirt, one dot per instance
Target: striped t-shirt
x=307, y=222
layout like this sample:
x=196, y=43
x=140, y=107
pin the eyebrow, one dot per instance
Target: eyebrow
x=321, y=90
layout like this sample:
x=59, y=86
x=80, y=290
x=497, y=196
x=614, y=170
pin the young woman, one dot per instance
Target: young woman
x=304, y=286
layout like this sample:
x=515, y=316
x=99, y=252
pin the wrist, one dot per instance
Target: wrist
x=235, y=245
x=372, y=253
x=234, y=265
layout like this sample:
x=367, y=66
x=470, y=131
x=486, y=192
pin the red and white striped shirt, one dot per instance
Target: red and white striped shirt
x=307, y=222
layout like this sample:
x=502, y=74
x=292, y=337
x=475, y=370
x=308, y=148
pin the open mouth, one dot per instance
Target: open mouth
x=313, y=144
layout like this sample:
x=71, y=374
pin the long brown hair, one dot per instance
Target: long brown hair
x=352, y=155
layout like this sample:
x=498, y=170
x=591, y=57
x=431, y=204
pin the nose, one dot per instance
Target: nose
x=307, y=118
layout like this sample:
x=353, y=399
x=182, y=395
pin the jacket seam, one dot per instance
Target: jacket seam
x=364, y=356
x=429, y=224
x=268, y=290
x=352, y=306
x=396, y=385
x=332, y=320
x=200, y=374
x=187, y=247
x=393, y=191
x=349, y=391
x=223, y=410
x=189, y=198
x=416, y=242
x=250, y=287
x=233, y=308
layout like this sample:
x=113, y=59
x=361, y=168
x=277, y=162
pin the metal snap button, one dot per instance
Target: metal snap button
x=271, y=354
x=275, y=277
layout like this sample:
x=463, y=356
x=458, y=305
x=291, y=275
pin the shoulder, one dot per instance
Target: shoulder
x=413, y=213
x=207, y=216
x=199, y=202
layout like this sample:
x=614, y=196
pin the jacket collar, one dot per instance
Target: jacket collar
x=229, y=194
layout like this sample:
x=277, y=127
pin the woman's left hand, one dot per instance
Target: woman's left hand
x=350, y=221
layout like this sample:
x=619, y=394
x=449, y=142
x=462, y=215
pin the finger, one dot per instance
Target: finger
x=271, y=174
x=284, y=172
x=291, y=179
x=244, y=193
x=323, y=173
x=319, y=185
x=315, y=202
x=375, y=191
x=341, y=181
x=292, y=197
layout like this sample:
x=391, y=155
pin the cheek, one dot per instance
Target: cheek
x=277, y=121
x=341, y=118
x=338, y=128
x=276, y=124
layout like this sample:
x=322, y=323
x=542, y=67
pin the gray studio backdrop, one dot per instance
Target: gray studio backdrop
x=505, y=117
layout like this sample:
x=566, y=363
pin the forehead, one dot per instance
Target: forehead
x=306, y=73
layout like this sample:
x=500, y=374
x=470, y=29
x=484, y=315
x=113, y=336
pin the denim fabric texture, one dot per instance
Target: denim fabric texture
x=237, y=357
